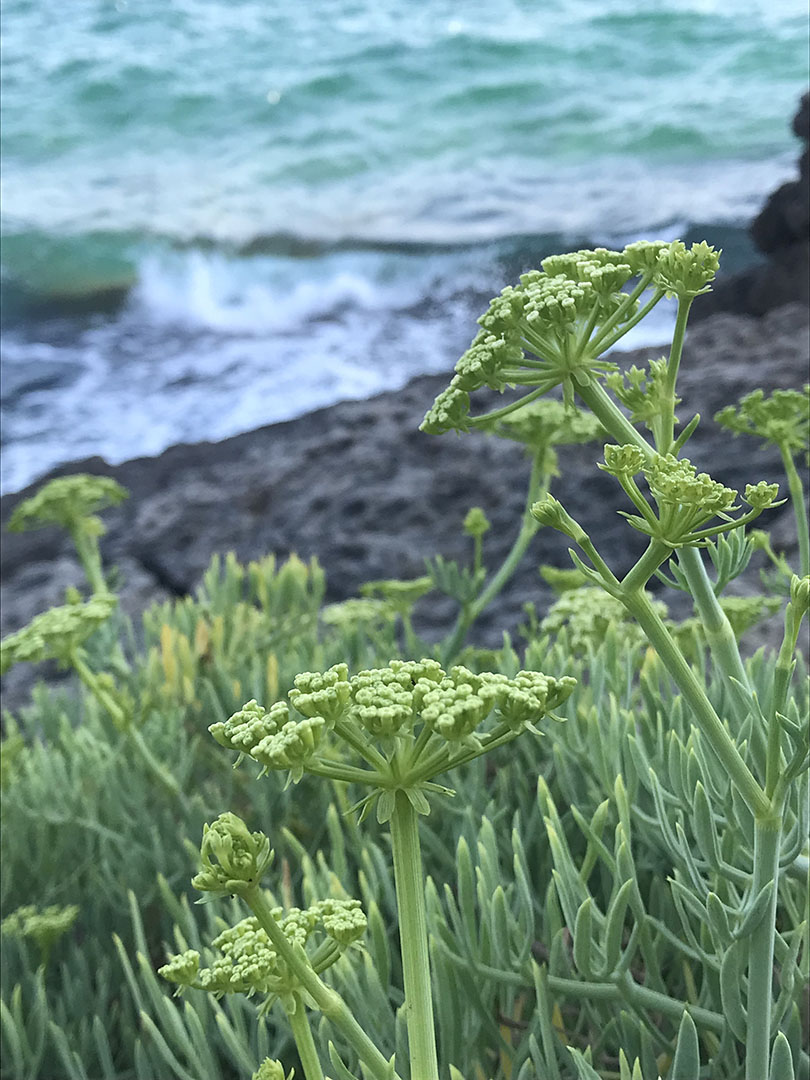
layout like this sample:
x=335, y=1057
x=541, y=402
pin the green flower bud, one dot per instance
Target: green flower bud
x=800, y=594
x=526, y=699
x=675, y=481
x=56, y=632
x=552, y=513
x=401, y=595
x=449, y=412
x=291, y=746
x=760, y=496
x=181, y=969
x=246, y=728
x=233, y=858
x=623, y=460
x=272, y=1070
x=685, y=273
x=642, y=256
x=343, y=920
x=476, y=523
x=482, y=364
x=322, y=694
x=458, y=704
x=66, y=500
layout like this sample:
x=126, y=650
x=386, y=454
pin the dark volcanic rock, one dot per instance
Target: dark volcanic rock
x=781, y=231
x=361, y=488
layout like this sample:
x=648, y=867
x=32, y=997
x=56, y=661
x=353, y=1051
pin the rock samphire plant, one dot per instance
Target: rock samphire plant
x=616, y=884
x=727, y=790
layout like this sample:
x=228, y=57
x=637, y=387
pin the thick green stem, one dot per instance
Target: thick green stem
x=90, y=558
x=725, y=651
x=610, y=416
x=799, y=509
x=646, y=566
x=305, y=1044
x=767, y=838
x=638, y=604
x=327, y=1000
x=410, y=887
x=665, y=430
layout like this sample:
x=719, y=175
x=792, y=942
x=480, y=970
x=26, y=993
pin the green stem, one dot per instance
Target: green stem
x=720, y=637
x=725, y=651
x=410, y=888
x=496, y=414
x=638, y=604
x=124, y=724
x=609, y=325
x=467, y=616
x=799, y=509
x=604, y=342
x=767, y=838
x=646, y=566
x=610, y=416
x=327, y=1000
x=90, y=558
x=666, y=426
x=305, y=1044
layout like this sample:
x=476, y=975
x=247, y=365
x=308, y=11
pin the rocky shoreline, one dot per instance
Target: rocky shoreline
x=360, y=487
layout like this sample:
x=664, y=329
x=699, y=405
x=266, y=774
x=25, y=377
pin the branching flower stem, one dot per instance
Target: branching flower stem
x=719, y=635
x=327, y=1000
x=538, y=485
x=410, y=888
x=124, y=724
x=665, y=428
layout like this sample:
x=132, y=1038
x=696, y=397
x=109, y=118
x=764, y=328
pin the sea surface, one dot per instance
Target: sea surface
x=222, y=213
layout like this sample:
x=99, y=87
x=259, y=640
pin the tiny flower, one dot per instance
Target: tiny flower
x=343, y=920
x=252, y=723
x=291, y=746
x=552, y=513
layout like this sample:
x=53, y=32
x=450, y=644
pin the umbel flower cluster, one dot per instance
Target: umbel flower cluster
x=406, y=723
x=247, y=962
x=552, y=327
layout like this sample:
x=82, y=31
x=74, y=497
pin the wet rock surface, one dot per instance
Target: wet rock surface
x=781, y=232
x=360, y=487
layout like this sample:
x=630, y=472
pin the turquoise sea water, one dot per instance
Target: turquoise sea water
x=217, y=214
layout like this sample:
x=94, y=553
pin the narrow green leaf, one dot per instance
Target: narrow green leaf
x=755, y=912
x=614, y=927
x=781, y=1059
x=686, y=1064
x=583, y=939
x=731, y=970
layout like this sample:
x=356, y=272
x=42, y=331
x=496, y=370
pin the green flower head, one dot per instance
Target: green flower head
x=182, y=969
x=449, y=412
x=66, y=501
x=291, y=746
x=272, y=1070
x=642, y=256
x=800, y=593
x=760, y=496
x=676, y=482
x=782, y=418
x=686, y=273
x=623, y=460
x=551, y=513
x=233, y=858
x=476, y=522
x=55, y=633
x=325, y=695
x=43, y=925
x=248, y=727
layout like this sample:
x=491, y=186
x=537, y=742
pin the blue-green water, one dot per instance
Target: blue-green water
x=302, y=202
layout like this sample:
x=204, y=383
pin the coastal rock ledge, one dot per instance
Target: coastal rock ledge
x=360, y=487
